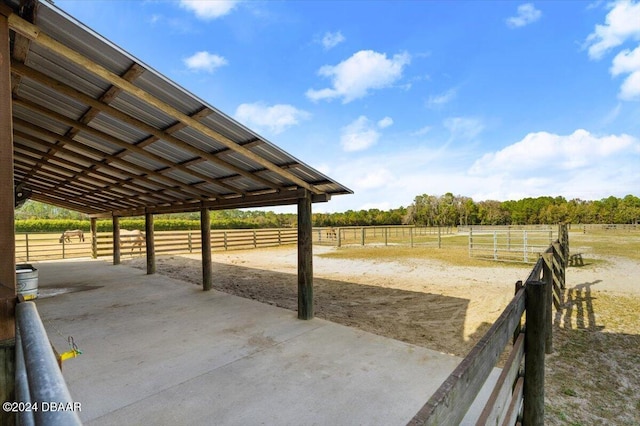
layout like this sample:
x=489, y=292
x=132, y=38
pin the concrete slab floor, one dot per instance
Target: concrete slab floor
x=158, y=351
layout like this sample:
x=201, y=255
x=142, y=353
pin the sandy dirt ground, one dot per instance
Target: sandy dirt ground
x=419, y=301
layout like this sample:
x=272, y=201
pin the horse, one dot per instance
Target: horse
x=66, y=235
x=135, y=237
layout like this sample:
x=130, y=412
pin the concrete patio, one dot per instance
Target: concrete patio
x=163, y=352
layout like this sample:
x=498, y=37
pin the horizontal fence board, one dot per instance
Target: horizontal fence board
x=515, y=406
x=461, y=388
x=500, y=398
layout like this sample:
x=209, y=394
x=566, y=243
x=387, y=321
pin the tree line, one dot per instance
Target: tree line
x=426, y=210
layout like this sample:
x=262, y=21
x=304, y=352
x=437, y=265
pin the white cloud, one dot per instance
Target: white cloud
x=555, y=153
x=331, y=40
x=442, y=99
x=209, y=9
x=354, y=77
x=359, y=135
x=463, y=127
x=274, y=118
x=385, y=122
x=527, y=14
x=205, y=61
x=621, y=24
x=422, y=131
x=628, y=61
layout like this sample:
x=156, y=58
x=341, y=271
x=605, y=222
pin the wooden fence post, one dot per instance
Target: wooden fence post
x=439, y=237
x=363, y=235
x=547, y=277
x=533, y=413
x=339, y=242
x=26, y=241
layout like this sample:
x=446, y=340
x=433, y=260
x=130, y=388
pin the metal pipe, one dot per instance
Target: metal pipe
x=25, y=417
x=46, y=384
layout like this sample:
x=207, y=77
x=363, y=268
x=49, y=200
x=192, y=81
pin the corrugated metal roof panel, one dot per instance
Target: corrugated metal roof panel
x=245, y=162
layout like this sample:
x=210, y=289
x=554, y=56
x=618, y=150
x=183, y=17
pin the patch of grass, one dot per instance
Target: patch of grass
x=455, y=256
x=607, y=243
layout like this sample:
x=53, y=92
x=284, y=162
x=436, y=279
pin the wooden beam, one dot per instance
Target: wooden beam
x=157, y=134
x=305, y=258
x=151, y=250
x=205, y=235
x=35, y=34
x=7, y=234
x=7, y=200
x=116, y=240
x=94, y=238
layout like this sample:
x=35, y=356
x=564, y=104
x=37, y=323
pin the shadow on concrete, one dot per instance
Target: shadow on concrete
x=413, y=317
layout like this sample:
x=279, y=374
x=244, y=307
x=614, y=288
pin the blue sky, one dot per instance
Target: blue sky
x=492, y=100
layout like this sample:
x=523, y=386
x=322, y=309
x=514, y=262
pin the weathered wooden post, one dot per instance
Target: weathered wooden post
x=205, y=235
x=94, y=237
x=533, y=413
x=547, y=277
x=305, y=258
x=439, y=237
x=411, y=237
x=386, y=236
x=7, y=230
x=116, y=240
x=363, y=231
x=150, y=244
x=339, y=232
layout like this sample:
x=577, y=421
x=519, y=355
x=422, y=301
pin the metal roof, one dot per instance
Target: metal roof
x=97, y=131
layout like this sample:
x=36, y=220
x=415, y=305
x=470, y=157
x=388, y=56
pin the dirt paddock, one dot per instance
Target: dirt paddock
x=418, y=301
x=448, y=308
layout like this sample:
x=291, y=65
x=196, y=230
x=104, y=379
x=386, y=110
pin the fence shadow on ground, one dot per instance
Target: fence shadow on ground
x=591, y=363
x=429, y=320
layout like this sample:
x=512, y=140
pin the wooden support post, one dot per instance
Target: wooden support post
x=439, y=237
x=116, y=240
x=7, y=233
x=151, y=249
x=362, y=238
x=533, y=414
x=94, y=237
x=205, y=235
x=305, y=258
x=547, y=277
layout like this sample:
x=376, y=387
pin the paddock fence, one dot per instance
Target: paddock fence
x=407, y=235
x=44, y=246
x=518, y=395
x=508, y=243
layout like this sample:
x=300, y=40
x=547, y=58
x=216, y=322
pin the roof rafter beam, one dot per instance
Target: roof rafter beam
x=61, y=185
x=109, y=181
x=144, y=173
x=34, y=33
x=70, y=122
x=156, y=134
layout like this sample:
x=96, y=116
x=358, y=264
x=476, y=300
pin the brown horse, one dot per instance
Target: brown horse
x=66, y=235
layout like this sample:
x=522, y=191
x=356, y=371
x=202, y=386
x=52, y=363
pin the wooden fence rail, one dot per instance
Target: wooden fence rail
x=38, y=246
x=518, y=395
